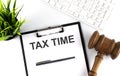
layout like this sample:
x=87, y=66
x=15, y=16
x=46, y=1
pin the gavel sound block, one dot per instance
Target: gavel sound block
x=103, y=46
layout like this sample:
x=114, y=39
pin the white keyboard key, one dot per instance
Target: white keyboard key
x=52, y=2
x=64, y=9
x=89, y=15
x=58, y=6
x=76, y=2
x=90, y=21
x=70, y=12
x=69, y=0
x=98, y=19
x=46, y=0
x=109, y=1
x=76, y=14
x=65, y=5
x=83, y=14
x=87, y=5
x=73, y=8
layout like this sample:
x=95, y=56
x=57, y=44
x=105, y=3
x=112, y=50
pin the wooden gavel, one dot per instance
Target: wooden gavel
x=103, y=46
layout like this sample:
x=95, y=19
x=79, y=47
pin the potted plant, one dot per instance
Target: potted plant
x=9, y=23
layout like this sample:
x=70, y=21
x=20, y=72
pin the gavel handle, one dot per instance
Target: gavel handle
x=97, y=62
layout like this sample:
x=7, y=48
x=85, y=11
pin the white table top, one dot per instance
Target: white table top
x=39, y=15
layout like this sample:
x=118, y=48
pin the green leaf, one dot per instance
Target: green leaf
x=14, y=6
x=1, y=5
x=19, y=11
x=22, y=21
x=8, y=5
x=18, y=27
x=5, y=37
x=2, y=38
x=16, y=30
x=13, y=17
x=4, y=14
x=4, y=6
x=0, y=24
x=19, y=33
x=1, y=14
x=5, y=29
x=1, y=18
x=16, y=24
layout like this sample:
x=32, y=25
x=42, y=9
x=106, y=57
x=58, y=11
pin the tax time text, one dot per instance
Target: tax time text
x=55, y=41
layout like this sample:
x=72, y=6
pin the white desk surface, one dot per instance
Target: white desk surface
x=39, y=15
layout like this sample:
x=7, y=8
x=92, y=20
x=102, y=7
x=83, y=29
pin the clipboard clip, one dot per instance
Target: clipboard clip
x=50, y=31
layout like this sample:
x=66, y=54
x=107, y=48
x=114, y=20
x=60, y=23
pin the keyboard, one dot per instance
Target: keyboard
x=91, y=12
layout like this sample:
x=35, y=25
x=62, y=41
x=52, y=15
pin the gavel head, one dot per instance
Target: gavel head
x=104, y=45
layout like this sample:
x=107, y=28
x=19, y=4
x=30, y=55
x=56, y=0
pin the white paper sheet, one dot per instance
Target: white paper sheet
x=52, y=47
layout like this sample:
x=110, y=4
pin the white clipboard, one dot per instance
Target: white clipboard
x=55, y=51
